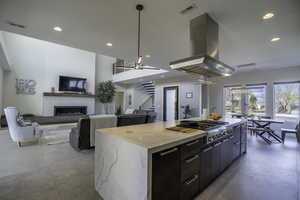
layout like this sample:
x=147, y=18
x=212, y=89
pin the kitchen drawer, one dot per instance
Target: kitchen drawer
x=190, y=166
x=191, y=148
x=190, y=188
x=166, y=183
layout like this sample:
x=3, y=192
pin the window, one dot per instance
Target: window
x=249, y=99
x=286, y=100
x=233, y=100
x=256, y=100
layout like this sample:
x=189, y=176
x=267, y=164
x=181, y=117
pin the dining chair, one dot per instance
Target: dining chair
x=295, y=131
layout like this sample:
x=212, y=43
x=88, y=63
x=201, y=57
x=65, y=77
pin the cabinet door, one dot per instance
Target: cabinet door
x=216, y=160
x=237, y=133
x=244, y=138
x=236, y=142
x=206, y=167
x=166, y=175
x=230, y=150
x=225, y=154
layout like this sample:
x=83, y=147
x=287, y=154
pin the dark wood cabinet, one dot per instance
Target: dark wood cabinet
x=216, y=159
x=182, y=172
x=206, y=172
x=190, y=166
x=236, y=142
x=190, y=188
x=226, y=153
x=166, y=175
x=244, y=138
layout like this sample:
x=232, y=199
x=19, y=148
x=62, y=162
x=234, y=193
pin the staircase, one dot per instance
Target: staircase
x=149, y=88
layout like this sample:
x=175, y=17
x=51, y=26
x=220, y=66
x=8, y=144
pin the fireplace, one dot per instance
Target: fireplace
x=70, y=110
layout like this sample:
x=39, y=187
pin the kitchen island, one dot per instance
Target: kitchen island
x=150, y=162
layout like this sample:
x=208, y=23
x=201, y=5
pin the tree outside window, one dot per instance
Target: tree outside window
x=256, y=100
x=287, y=101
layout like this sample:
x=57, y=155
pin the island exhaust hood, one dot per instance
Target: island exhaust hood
x=204, y=36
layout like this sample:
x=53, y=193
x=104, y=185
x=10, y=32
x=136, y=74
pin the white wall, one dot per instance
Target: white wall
x=3, y=65
x=184, y=87
x=258, y=76
x=1, y=90
x=43, y=62
x=103, y=72
x=4, y=58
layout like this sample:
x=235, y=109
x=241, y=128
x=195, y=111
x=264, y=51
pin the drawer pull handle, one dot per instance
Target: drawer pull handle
x=218, y=144
x=192, y=180
x=168, y=152
x=207, y=149
x=192, y=143
x=192, y=159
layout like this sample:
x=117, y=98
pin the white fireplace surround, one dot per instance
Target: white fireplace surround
x=49, y=102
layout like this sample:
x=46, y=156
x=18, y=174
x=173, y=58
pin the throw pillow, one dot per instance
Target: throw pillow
x=20, y=120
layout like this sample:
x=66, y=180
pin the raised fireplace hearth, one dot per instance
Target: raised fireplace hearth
x=70, y=110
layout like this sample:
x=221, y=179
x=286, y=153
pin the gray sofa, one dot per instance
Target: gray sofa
x=81, y=137
x=43, y=120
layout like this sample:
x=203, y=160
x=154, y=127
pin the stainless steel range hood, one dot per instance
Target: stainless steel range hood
x=204, y=36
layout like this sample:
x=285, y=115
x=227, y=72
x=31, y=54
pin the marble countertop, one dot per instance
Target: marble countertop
x=154, y=136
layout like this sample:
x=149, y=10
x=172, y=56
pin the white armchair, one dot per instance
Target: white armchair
x=28, y=133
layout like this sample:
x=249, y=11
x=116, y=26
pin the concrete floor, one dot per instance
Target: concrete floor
x=42, y=172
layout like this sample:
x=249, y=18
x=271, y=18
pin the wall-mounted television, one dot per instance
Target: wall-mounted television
x=72, y=84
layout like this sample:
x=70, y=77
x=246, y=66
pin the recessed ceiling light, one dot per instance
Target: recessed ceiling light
x=148, y=56
x=57, y=28
x=109, y=44
x=275, y=39
x=268, y=16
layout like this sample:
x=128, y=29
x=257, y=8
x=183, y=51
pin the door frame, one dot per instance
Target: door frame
x=165, y=100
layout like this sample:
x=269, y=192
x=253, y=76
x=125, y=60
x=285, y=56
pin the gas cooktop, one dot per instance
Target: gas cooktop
x=204, y=125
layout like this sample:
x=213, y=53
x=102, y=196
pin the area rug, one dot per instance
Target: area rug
x=53, y=137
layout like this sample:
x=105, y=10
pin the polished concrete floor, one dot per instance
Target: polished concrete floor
x=41, y=172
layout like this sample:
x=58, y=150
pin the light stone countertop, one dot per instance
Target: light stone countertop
x=154, y=136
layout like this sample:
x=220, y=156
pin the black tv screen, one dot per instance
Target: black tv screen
x=72, y=84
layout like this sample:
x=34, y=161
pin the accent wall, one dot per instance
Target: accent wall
x=43, y=62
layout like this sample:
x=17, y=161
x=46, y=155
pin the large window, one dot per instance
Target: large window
x=256, y=100
x=249, y=99
x=233, y=100
x=286, y=100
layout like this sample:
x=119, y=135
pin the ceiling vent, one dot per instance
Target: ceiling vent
x=15, y=24
x=246, y=65
x=188, y=9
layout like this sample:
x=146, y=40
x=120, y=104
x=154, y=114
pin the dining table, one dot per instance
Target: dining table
x=263, y=126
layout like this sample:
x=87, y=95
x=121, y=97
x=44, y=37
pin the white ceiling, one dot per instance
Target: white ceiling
x=90, y=24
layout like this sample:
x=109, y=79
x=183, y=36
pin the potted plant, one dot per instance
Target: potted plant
x=187, y=112
x=105, y=93
x=119, y=110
